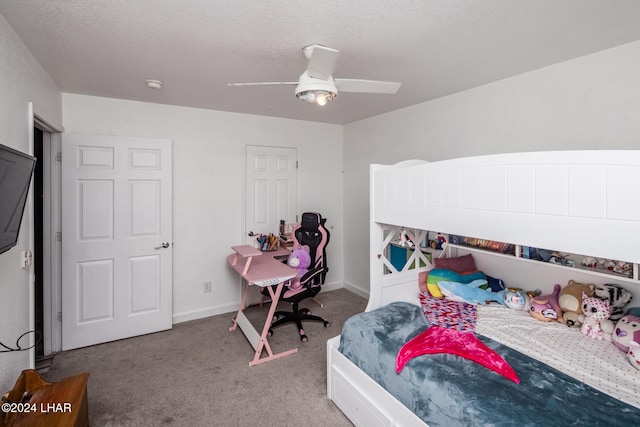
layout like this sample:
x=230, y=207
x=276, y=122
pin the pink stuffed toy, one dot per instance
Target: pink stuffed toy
x=546, y=307
x=596, y=322
x=300, y=260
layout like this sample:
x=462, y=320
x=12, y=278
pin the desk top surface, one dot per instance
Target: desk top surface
x=263, y=267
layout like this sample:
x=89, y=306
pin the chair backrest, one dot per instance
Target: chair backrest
x=311, y=232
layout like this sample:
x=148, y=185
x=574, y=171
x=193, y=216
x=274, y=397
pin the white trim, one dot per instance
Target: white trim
x=32, y=293
x=356, y=290
x=207, y=312
x=52, y=248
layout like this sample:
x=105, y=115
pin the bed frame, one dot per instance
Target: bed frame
x=582, y=202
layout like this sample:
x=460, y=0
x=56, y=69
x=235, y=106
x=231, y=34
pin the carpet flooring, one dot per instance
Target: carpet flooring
x=198, y=373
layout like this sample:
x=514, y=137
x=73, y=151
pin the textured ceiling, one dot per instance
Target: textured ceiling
x=433, y=47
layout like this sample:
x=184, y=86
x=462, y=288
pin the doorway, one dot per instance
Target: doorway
x=45, y=206
x=46, y=249
x=38, y=222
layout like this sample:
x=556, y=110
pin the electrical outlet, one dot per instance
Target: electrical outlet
x=206, y=287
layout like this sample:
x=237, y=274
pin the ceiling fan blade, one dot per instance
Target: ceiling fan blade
x=367, y=86
x=262, y=84
x=322, y=61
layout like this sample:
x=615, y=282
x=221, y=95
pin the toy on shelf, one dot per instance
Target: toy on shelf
x=596, y=323
x=589, y=262
x=623, y=268
x=561, y=259
x=404, y=239
x=607, y=264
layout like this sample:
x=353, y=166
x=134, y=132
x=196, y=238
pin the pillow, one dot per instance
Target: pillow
x=458, y=264
x=442, y=274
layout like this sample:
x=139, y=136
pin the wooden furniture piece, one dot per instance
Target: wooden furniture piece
x=583, y=202
x=261, y=269
x=34, y=402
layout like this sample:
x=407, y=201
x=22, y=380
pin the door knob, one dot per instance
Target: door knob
x=251, y=234
x=163, y=245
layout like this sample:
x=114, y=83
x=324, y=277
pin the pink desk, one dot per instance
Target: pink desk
x=259, y=269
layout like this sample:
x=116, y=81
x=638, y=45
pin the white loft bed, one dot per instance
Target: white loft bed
x=582, y=202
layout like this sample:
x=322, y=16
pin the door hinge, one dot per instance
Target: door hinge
x=58, y=156
x=59, y=236
x=59, y=316
x=296, y=164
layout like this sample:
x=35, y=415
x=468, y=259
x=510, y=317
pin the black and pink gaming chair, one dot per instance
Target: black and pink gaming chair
x=310, y=232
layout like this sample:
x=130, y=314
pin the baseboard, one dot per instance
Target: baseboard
x=231, y=308
x=356, y=290
x=205, y=312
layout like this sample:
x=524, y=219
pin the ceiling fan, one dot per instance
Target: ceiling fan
x=317, y=85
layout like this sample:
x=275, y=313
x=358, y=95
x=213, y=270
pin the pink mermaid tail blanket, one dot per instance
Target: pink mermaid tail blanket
x=436, y=339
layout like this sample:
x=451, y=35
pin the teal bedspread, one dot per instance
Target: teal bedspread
x=447, y=390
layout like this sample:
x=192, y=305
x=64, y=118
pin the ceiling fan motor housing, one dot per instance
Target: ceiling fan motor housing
x=307, y=83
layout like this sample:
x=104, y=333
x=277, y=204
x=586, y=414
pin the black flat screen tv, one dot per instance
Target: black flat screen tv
x=16, y=169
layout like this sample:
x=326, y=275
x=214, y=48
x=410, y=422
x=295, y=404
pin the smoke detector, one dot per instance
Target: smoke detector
x=155, y=84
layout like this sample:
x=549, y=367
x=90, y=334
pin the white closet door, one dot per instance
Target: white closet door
x=271, y=189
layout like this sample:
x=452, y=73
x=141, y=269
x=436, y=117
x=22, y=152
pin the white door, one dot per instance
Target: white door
x=116, y=238
x=271, y=189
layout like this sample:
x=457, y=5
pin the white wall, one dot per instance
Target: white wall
x=590, y=102
x=208, y=164
x=22, y=80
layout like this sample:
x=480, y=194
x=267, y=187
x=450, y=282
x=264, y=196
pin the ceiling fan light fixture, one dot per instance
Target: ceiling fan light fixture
x=320, y=97
x=315, y=90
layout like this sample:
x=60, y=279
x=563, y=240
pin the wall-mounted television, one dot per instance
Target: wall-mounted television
x=16, y=169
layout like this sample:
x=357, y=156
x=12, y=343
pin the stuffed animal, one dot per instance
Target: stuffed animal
x=516, y=298
x=545, y=307
x=633, y=356
x=627, y=329
x=606, y=263
x=622, y=267
x=596, y=323
x=617, y=296
x=471, y=293
x=300, y=260
x=570, y=301
x=589, y=261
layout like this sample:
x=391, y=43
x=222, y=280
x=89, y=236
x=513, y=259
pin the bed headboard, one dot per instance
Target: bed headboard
x=583, y=202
